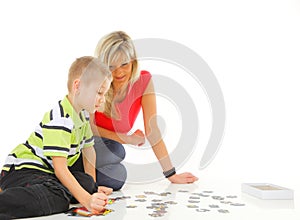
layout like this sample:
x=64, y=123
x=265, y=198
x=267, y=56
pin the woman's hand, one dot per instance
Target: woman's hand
x=105, y=190
x=137, y=138
x=183, y=178
x=97, y=203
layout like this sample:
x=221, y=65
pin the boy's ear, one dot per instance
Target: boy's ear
x=76, y=85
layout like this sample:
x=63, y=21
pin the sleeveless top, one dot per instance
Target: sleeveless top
x=128, y=108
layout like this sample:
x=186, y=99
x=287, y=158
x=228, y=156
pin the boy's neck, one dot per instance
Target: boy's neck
x=71, y=99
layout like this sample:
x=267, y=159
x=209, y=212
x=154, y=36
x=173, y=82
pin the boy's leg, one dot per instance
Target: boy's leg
x=86, y=181
x=30, y=193
x=5, y=217
x=78, y=165
x=32, y=201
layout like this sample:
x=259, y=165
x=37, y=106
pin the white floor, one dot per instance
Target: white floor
x=253, y=208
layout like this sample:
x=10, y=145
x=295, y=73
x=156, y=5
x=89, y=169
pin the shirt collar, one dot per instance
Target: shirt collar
x=78, y=119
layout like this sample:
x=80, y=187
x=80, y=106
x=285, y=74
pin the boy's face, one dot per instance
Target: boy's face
x=100, y=97
x=92, y=97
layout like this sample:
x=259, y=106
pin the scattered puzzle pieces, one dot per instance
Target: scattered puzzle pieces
x=159, y=204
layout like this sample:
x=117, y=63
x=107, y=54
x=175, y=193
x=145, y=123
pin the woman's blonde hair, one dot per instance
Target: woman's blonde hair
x=112, y=48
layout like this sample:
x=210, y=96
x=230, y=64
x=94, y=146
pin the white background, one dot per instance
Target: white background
x=253, y=48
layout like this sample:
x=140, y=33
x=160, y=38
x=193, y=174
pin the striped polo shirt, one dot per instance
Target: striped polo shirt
x=62, y=132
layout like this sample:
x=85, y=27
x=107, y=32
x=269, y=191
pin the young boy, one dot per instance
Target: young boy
x=36, y=179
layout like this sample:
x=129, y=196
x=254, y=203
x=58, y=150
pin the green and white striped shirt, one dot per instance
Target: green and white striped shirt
x=62, y=132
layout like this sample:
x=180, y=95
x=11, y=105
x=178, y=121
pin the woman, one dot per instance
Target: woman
x=130, y=91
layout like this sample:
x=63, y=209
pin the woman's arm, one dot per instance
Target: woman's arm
x=137, y=138
x=94, y=203
x=154, y=136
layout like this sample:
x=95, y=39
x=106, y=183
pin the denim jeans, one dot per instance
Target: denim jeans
x=31, y=193
x=109, y=170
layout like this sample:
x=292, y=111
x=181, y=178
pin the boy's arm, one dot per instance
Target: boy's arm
x=89, y=161
x=94, y=203
x=89, y=164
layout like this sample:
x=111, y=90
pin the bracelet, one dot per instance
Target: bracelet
x=170, y=172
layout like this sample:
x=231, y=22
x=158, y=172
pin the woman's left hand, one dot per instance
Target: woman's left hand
x=183, y=178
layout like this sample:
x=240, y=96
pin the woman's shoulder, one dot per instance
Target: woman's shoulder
x=145, y=73
x=145, y=76
x=140, y=85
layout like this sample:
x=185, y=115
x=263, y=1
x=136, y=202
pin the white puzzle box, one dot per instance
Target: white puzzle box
x=267, y=191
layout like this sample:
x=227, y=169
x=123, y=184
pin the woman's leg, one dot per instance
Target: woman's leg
x=112, y=175
x=109, y=170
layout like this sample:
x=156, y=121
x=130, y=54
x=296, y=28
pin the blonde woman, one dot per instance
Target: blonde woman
x=130, y=91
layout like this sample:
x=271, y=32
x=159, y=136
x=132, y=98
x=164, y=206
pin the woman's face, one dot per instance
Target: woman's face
x=121, y=73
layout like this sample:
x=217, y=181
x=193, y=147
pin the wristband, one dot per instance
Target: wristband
x=170, y=172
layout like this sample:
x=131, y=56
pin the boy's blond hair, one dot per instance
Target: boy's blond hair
x=85, y=65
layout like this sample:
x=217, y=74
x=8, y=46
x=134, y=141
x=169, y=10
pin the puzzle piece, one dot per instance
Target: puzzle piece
x=207, y=191
x=131, y=206
x=193, y=201
x=165, y=193
x=231, y=197
x=141, y=196
x=170, y=202
x=202, y=210
x=192, y=206
x=194, y=197
x=82, y=211
x=223, y=211
x=140, y=200
x=111, y=201
x=237, y=204
x=213, y=206
x=150, y=193
x=218, y=197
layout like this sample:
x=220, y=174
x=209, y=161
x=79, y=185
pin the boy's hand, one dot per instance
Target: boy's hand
x=105, y=190
x=97, y=203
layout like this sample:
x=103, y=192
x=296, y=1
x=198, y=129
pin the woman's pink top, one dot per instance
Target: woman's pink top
x=128, y=109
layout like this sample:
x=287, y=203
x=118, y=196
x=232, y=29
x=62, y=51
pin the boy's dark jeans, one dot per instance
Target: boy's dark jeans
x=30, y=193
